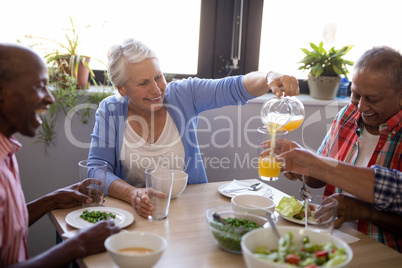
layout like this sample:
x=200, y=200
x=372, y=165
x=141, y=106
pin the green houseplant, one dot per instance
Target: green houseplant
x=68, y=74
x=326, y=68
x=64, y=57
x=67, y=98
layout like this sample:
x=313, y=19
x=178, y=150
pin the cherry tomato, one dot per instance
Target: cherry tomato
x=293, y=259
x=321, y=253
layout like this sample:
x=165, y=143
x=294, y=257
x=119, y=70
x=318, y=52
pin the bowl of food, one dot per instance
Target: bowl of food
x=228, y=227
x=142, y=249
x=180, y=179
x=298, y=246
x=255, y=204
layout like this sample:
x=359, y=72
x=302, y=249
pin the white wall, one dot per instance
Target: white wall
x=42, y=174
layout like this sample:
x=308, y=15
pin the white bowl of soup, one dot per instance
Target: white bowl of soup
x=135, y=249
x=180, y=179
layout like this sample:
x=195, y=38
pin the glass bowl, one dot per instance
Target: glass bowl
x=225, y=237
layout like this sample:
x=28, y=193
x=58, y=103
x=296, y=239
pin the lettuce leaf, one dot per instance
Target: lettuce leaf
x=289, y=206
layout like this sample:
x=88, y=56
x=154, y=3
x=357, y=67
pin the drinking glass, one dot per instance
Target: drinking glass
x=268, y=168
x=92, y=175
x=160, y=181
x=321, y=213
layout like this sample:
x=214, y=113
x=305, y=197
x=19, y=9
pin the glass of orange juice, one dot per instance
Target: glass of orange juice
x=268, y=168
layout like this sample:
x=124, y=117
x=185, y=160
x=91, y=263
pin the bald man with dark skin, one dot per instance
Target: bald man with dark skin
x=23, y=96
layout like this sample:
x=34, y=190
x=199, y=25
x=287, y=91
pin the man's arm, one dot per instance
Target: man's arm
x=68, y=197
x=86, y=242
x=351, y=209
x=39, y=207
x=328, y=170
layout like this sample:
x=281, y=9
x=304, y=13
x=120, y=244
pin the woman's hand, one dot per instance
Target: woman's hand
x=259, y=83
x=141, y=200
x=289, y=83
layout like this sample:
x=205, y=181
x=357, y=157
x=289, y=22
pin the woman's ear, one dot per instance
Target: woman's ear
x=122, y=90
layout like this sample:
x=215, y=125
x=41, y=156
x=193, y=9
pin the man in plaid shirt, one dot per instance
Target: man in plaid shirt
x=365, y=133
x=383, y=185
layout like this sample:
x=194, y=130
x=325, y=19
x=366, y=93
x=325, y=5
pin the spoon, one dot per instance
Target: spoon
x=217, y=217
x=252, y=187
x=304, y=192
x=273, y=225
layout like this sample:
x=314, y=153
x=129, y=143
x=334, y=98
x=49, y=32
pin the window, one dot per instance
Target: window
x=162, y=24
x=193, y=38
x=289, y=25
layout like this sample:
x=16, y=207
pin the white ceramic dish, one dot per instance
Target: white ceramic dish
x=265, y=237
x=136, y=239
x=180, y=179
x=255, y=204
x=291, y=219
x=264, y=190
x=123, y=217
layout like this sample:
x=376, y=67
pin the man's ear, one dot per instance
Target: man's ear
x=122, y=90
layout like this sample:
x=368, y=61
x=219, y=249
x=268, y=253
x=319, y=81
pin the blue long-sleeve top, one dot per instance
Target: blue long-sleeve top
x=184, y=100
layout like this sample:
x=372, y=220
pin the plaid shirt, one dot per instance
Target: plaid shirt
x=13, y=209
x=388, y=189
x=342, y=143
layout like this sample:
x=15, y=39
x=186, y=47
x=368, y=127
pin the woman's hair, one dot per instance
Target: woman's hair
x=384, y=60
x=120, y=56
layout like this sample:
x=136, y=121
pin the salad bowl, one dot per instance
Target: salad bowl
x=226, y=237
x=254, y=241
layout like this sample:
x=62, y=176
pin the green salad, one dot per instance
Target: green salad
x=308, y=256
x=228, y=238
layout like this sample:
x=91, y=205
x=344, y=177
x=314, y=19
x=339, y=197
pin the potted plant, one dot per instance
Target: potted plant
x=326, y=68
x=65, y=60
x=68, y=73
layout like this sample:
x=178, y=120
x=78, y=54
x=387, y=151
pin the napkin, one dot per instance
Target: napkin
x=235, y=184
x=344, y=236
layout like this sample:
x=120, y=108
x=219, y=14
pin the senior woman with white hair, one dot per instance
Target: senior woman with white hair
x=152, y=124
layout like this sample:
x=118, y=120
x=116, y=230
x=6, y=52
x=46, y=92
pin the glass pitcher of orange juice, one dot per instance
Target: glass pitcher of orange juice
x=280, y=115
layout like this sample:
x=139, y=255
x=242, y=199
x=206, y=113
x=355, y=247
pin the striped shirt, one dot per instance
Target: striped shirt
x=342, y=143
x=13, y=210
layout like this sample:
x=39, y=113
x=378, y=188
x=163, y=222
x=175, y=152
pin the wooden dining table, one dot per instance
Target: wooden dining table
x=190, y=243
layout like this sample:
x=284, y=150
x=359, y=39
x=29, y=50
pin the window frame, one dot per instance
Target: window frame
x=215, y=40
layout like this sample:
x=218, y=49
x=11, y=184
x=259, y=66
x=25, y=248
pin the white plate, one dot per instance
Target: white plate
x=123, y=217
x=265, y=188
x=291, y=219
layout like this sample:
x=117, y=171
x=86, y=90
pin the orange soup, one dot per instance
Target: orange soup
x=136, y=251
